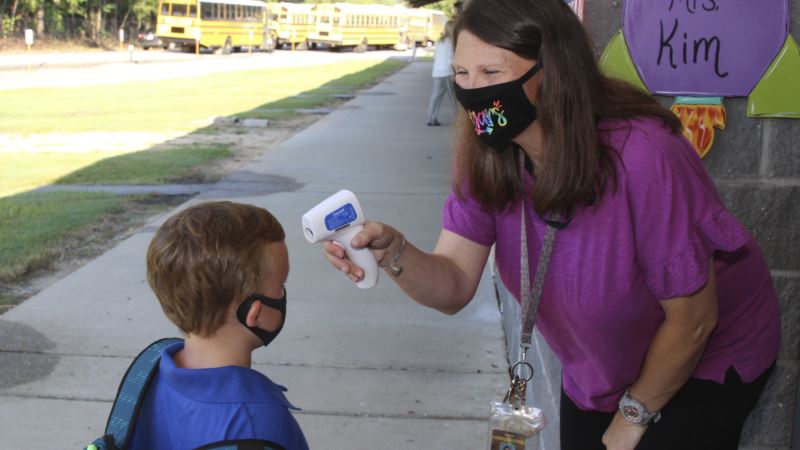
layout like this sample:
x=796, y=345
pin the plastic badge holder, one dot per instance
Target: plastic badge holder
x=514, y=428
x=512, y=424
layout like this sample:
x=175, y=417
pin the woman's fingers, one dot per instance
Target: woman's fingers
x=335, y=254
x=375, y=235
x=333, y=249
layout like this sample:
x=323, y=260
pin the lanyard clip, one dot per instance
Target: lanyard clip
x=523, y=352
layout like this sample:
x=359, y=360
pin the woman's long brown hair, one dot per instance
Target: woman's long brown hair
x=573, y=97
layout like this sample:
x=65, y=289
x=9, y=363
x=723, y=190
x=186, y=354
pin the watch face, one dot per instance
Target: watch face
x=631, y=414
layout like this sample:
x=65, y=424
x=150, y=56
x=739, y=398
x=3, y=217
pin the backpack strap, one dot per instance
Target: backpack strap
x=242, y=444
x=130, y=394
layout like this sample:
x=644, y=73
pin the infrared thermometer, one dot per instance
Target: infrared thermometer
x=339, y=218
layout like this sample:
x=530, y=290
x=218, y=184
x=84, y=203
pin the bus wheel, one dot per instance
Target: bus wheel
x=362, y=47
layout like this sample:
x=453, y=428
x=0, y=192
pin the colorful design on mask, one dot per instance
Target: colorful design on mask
x=699, y=121
x=485, y=120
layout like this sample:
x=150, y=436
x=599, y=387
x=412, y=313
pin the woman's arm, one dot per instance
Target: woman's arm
x=671, y=359
x=445, y=279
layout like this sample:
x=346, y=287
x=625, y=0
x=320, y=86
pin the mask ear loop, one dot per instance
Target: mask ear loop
x=244, y=307
x=529, y=74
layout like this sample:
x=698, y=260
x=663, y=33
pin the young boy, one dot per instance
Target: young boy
x=218, y=270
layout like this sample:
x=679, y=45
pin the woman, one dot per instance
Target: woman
x=657, y=301
x=442, y=74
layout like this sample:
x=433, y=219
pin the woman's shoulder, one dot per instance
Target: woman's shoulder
x=642, y=142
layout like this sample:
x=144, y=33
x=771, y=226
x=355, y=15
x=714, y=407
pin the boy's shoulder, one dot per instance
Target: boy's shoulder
x=215, y=386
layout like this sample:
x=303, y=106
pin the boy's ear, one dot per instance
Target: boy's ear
x=252, y=314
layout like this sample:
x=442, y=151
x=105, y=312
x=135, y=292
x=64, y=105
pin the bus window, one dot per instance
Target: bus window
x=325, y=19
x=179, y=10
x=165, y=9
x=283, y=16
x=336, y=21
x=205, y=10
x=192, y=10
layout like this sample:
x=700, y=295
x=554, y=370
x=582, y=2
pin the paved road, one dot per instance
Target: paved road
x=371, y=369
x=80, y=69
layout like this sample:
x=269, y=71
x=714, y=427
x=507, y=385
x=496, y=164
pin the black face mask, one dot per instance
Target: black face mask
x=499, y=112
x=279, y=304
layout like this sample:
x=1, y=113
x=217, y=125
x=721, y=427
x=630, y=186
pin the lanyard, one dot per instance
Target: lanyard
x=530, y=297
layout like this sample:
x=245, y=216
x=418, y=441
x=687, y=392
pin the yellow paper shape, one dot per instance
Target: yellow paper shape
x=699, y=122
x=616, y=62
x=778, y=92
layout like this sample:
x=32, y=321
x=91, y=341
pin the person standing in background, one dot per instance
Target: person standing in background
x=442, y=74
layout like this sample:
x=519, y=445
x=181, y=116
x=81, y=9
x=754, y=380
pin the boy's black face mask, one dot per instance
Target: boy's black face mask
x=499, y=112
x=279, y=304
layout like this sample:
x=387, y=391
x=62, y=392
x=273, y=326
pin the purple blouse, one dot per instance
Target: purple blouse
x=649, y=240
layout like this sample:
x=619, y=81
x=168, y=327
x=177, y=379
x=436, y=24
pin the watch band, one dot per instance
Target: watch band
x=635, y=412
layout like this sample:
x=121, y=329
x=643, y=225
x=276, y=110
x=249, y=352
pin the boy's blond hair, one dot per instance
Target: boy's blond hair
x=208, y=256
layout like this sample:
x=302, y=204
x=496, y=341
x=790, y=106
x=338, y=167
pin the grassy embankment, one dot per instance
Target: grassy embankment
x=32, y=224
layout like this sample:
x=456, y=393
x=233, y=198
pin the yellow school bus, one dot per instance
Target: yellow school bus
x=227, y=25
x=348, y=25
x=414, y=27
x=294, y=21
x=435, y=27
x=422, y=27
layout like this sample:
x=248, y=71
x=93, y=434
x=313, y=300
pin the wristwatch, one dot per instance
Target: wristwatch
x=635, y=412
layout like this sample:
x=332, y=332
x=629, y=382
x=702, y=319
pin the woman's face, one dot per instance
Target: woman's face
x=477, y=64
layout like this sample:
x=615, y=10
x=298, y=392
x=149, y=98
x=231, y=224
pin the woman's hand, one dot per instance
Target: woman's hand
x=383, y=240
x=622, y=435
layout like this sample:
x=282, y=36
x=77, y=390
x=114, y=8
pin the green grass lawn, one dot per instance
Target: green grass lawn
x=64, y=110
x=177, y=104
x=30, y=225
x=24, y=171
x=148, y=166
x=21, y=172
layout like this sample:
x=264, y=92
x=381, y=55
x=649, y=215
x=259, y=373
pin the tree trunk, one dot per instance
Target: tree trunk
x=40, y=19
x=98, y=24
x=125, y=19
x=13, y=17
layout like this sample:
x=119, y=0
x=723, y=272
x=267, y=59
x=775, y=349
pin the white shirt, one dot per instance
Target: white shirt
x=443, y=59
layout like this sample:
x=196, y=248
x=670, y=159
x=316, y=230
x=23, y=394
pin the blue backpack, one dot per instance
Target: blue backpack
x=131, y=392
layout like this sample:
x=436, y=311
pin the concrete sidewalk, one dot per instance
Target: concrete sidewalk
x=371, y=369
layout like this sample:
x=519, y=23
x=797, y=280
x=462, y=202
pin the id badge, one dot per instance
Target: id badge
x=515, y=427
x=506, y=440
